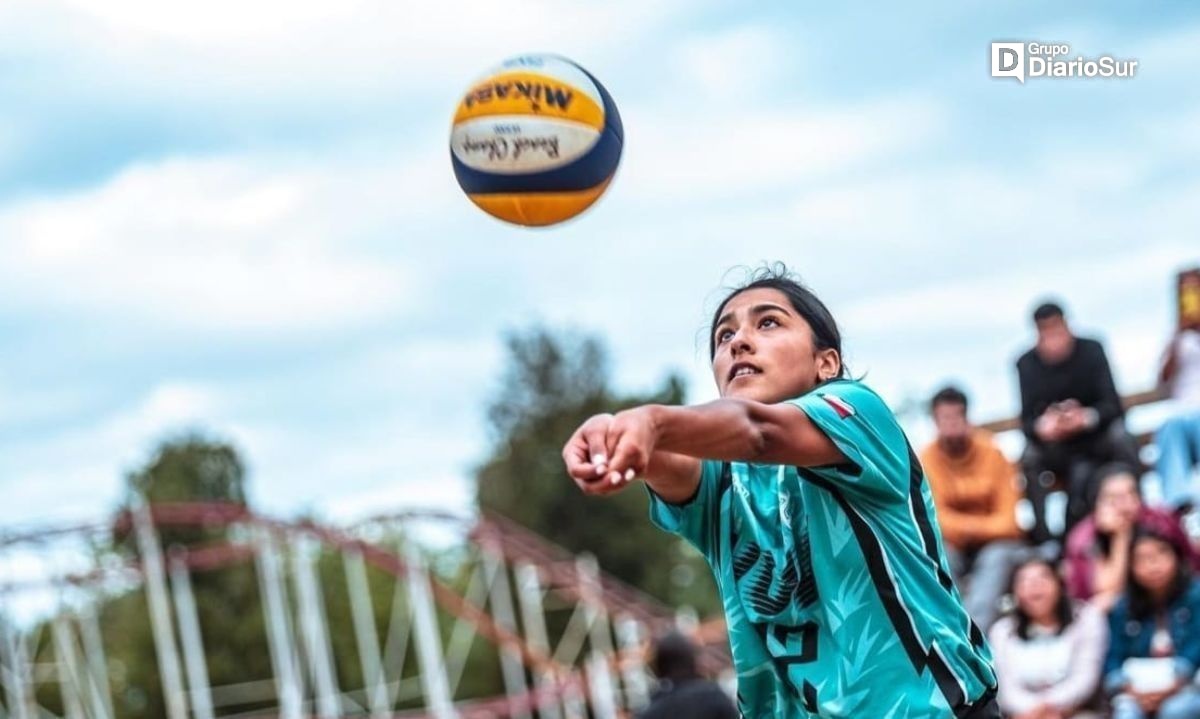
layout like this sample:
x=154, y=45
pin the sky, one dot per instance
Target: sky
x=240, y=217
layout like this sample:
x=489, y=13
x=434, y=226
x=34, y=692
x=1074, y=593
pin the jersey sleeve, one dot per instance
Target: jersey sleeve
x=697, y=519
x=865, y=431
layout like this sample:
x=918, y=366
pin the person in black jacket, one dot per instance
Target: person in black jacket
x=1072, y=418
x=681, y=693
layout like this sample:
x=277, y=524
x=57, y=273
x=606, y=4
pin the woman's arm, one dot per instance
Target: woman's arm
x=1187, y=646
x=727, y=430
x=1118, y=650
x=1110, y=573
x=674, y=477
x=1170, y=364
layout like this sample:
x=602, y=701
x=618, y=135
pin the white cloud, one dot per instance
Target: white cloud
x=229, y=244
x=76, y=471
x=277, y=49
x=736, y=64
x=713, y=151
x=438, y=492
x=1173, y=52
x=991, y=302
x=720, y=169
x=1178, y=134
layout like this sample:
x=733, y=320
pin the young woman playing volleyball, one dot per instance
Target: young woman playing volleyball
x=802, y=491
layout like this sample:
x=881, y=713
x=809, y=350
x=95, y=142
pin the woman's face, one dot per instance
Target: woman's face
x=764, y=349
x=1117, y=503
x=1154, y=564
x=1037, y=591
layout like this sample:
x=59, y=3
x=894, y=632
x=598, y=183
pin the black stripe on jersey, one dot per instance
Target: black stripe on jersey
x=976, y=635
x=873, y=553
x=916, y=477
x=810, y=697
x=948, y=685
x=724, y=484
x=889, y=594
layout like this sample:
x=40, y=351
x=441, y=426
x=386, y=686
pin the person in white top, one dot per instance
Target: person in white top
x=1048, y=651
x=1178, y=439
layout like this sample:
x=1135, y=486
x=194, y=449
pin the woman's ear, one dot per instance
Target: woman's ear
x=829, y=364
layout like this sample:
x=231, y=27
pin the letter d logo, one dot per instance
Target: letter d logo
x=1008, y=60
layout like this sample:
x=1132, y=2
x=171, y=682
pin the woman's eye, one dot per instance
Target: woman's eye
x=723, y=336
x=773, y=322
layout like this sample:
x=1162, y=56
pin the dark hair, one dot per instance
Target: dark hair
x=674, y=658
x=948, y=395
x=1046, y=310
x=1106, y=473
x=1063, y=611
x=775, y=276
x=1141, y=604
x=1099, y=479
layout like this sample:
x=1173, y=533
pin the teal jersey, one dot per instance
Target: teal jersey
x=837, y=594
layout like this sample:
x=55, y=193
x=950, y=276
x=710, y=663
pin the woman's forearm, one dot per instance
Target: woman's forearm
x=720, y=430
x=674, y=477
x=743, y=431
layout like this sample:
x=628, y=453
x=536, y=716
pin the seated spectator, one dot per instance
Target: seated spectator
x=681, y=692
x=1048, y=651
x=1097, y=555
x=1072, y=419
x=975, y=493
x=1178, y=439
x=1154, y=630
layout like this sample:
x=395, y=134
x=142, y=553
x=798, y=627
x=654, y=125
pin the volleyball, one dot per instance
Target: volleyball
x=536, y=140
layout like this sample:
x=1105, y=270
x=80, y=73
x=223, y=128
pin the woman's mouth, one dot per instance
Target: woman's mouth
x=743, y=369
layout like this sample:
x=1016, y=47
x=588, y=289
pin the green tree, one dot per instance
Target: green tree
x=189, y=468
x=551, y=384
x=192, y=468
x=230, y=611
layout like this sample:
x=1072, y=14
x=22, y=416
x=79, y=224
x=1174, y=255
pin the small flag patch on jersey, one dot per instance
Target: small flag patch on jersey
x=839, y=405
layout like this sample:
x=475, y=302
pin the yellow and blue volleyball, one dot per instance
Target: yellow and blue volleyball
x=536, y=141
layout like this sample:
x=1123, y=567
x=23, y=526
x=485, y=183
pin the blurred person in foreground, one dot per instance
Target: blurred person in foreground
x=1072, y=418
x=1049, y=650
x=1097, y=554
x=1178, y=439
x=1154, y=633
x=975, y=492
x=681, y=692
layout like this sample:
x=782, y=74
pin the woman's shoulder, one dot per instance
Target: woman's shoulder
x=1192, y=594
x=848, y=396
x=1081, y=540
x=1003, y=629
x=1087, y=614
x=1120, y=608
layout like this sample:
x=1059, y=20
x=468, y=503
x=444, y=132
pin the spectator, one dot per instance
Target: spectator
x=976, y=496
x=681, y=692
x=1071, y=415
x=1178, y=438
x=1097, y=555
x=1154, y=629
x=1048, y=651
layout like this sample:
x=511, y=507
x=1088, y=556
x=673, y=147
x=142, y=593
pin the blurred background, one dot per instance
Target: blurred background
x=235, y=269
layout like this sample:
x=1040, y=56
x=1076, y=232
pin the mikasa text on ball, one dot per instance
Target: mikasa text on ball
x=536, y=141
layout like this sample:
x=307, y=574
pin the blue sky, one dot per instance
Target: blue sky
x=241, y=216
